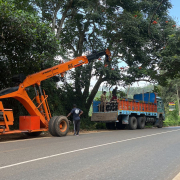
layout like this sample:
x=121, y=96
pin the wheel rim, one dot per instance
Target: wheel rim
x=63, y=126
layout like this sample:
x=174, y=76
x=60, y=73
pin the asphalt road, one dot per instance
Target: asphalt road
x=149, y=154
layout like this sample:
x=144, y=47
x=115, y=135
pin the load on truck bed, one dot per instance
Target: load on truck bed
x=136, y=113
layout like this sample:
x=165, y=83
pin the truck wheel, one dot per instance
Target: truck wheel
x=160, y=122
x=140, y=122
x=132, y=123
x=51, y=126
x=34, y=134
x=61, y=126
x=119, y=125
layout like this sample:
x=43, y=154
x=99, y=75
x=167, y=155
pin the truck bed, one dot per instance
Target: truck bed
x=104, y=116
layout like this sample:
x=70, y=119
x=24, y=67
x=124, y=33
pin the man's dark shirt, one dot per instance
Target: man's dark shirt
x=75, y=112
x=114, y=92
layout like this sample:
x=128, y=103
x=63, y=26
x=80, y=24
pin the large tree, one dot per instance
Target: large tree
x=134, y=31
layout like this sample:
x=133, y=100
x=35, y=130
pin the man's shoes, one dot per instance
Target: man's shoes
x=74, y=134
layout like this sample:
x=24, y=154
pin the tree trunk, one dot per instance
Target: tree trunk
x=63, y=18
x=93, y=93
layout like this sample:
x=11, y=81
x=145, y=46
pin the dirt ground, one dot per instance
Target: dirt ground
x=11, y=137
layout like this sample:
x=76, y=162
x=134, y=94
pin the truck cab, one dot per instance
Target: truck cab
x=160, y=108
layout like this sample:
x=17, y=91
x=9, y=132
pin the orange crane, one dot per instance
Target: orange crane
x=40, y=117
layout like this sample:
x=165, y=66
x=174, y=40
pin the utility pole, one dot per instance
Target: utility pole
x=178, y=99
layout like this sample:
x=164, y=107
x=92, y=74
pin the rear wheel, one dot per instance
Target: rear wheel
x=132, y=123
x=140, y=122
x=61, y=126
x=51, y=126
x=160, y=122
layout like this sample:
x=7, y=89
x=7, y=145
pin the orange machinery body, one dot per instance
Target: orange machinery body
x=42, y=110
x=29, y=122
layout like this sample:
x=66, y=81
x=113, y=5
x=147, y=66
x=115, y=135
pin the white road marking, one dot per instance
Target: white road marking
x=24, y=140
x=177, y=177
x=83, y=149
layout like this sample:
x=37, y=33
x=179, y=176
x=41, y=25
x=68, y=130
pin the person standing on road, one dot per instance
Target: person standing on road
x=76, y=112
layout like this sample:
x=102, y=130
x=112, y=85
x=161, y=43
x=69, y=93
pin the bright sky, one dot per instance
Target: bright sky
x=175, y=12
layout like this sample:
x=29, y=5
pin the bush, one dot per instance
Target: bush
x=172, y=122
x=172, y=118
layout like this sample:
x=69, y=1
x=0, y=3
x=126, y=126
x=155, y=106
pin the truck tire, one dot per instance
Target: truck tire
x=132, y=123
x=140, y=122
x=110, y=126
x=51, y=126
x=160, y=122
x=61, y=126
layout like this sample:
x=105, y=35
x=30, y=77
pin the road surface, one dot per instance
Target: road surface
x=149, y=154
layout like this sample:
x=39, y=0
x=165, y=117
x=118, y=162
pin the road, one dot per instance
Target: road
x=149, y=154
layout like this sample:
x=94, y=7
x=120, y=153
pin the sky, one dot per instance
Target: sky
x=175, y=11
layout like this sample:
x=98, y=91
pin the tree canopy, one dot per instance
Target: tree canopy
x=136, y=33
x=26, y=45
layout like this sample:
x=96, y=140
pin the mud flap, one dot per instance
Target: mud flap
x=125, y=119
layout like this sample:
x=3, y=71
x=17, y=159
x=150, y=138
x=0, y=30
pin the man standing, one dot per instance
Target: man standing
x=103, y=101
x=114, y=92
x=76, y=112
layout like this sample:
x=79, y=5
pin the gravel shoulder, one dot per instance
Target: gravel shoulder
x=11, y=137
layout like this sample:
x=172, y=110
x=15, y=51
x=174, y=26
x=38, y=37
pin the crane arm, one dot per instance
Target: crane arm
x=36, y=78
x=61, y=68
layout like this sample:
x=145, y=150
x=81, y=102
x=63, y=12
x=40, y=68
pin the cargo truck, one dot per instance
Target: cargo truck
x=132, y=113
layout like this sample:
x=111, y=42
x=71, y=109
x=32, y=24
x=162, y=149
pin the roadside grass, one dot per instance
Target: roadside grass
x=171, y=122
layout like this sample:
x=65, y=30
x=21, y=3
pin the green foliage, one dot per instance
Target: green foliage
x=168, y=94
x=170, y=56
x=172, y=117
x=126, y=27
x=26, y=45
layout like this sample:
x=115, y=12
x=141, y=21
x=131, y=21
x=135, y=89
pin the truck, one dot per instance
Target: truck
x=144, y=108
x=40, y=118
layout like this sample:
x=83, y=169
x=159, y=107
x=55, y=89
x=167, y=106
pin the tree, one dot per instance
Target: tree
x=27, y=46
x=170, y=56
x=135, y=32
